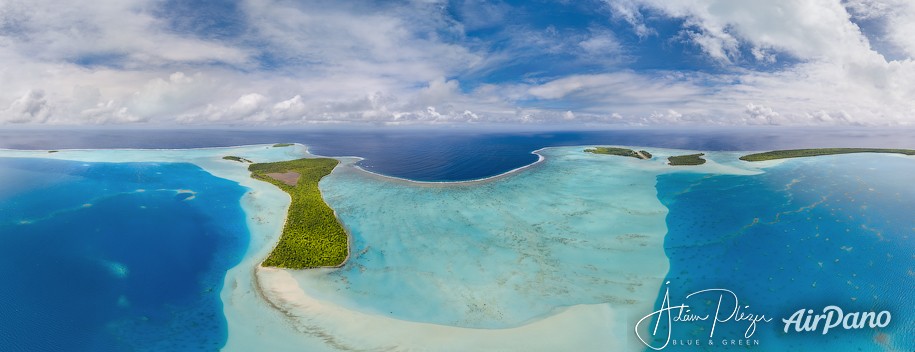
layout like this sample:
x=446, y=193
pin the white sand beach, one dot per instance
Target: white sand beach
x=268, y=309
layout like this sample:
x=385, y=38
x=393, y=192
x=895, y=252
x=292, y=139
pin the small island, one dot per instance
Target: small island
x=801, y=153
x=641, y=154
x=312, y=236
x=237, y=158
x=690, y=159
x=280, y=145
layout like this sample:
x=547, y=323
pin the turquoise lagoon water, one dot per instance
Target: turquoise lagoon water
x=807, y=233
x=132, y=256
x=583, y=229
x=576, y=229
x=115, y=256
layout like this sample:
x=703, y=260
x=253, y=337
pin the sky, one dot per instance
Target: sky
x=428, y=62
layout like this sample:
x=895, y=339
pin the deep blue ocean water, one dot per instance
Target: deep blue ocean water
x=97, y=281
x=115, y=256
x=457, y=154
x=809, y=233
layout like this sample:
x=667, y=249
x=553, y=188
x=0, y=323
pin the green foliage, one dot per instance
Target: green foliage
x=691, y=159
x=280, y=145
x=619, y=151
x=800, y=153
x=312, y=236
x=237, y=158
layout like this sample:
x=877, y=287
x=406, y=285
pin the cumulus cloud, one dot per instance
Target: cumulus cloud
x=291, y=109
x=109, y=112
x=29, y=108
x=807, y=29
x=896, y=19
x=840, y=77
x=761, y=114
x=407, y=63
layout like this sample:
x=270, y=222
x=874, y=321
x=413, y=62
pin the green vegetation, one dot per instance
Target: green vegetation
x=52, y=151
x=280, y=145
x=237, y=158
x=620, y=151
x=312, y=236
x=691, y=159
x=800, y=153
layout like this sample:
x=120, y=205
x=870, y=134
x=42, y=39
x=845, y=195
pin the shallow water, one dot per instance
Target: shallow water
x=575, y=229
x=458, y=154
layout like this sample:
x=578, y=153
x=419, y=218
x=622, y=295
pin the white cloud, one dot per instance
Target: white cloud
x=628, y=10
x=248, y=106
x=761, y=114
x=806, y=29
x=32, y=107
x=480, y=14
x=763, y=55
x=840, y=75
x=291, y=109
x=407, y=63
x=124, y=31
x=896, y=19
x=716, y=42
x=621, y=88
x=804, y=95
x=348, y=40
x=109, y=112
x=601, y=43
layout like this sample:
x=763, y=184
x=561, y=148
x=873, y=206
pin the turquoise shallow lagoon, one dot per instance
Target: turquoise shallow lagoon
x=576, y=229
x=565, y=253
x=160, y=251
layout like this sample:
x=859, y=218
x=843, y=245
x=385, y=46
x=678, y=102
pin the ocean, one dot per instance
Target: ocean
x=806, y=234
x=132, y=256
x=115, y=256
x=457, y=154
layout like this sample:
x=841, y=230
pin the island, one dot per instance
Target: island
x=280, y=145
x=689, y=159
x=800, y=153
x=237, y=158
x=641, y=154
x=312, y=236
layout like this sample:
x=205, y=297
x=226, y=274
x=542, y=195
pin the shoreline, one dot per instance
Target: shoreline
x=304, y=244
x=248, y=303
x=540, y=158
x=308, y=280
x=346, y=160
x=585, y=327
x=252, y=323
x=260, y=206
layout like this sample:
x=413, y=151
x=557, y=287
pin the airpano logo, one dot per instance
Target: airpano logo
x=833, y=317
x=729, y=310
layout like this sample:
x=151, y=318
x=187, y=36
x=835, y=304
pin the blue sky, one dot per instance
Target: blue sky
x=600, y=62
